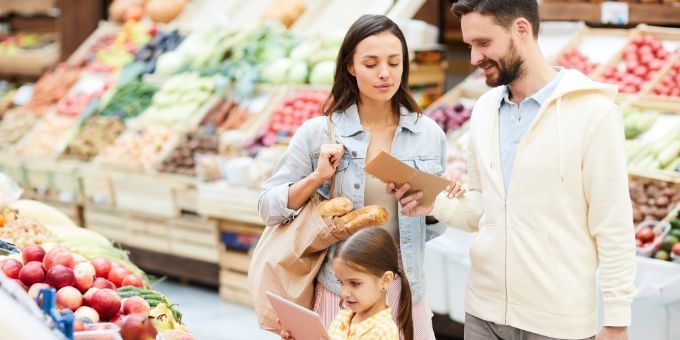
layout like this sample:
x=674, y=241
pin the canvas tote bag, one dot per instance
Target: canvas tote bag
x=287, y=258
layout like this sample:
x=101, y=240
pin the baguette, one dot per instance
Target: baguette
x=368, y=216
x=336, y=207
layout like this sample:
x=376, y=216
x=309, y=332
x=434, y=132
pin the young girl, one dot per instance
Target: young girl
x=372, y=111
x=367, y=265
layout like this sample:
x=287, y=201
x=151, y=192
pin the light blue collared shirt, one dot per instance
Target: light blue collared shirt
x=515, y=121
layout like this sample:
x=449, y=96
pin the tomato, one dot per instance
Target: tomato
x=645, y=235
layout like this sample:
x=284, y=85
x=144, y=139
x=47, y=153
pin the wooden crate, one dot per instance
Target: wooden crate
x=260, y=105
x=194, y=237
x=149, y=194
x=106, y=221
x=13, y=166
x=97, y=186
x=80, y=54
x=30, y=62
x=669, y=104
x=147, y=233
x=582, y=40
x=334, y=17
x=234, y=287
x=234, y=260
x=236, y=204
x=39, y=174
x=67, y=181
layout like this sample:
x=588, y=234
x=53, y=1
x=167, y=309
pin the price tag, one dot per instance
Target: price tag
x=614, y=13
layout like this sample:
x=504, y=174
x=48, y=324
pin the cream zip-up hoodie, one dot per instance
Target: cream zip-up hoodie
x=567, y=213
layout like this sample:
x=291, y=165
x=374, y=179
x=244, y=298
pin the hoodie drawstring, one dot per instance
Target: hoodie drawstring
x=559, y=137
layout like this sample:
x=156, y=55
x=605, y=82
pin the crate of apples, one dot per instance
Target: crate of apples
x=573, y=58
x=670, y=83
x=289, y=116
x=642, y=59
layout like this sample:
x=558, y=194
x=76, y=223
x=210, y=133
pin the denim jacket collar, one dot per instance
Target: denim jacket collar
x=349, y=124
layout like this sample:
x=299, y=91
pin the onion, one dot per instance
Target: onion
x=164, y=10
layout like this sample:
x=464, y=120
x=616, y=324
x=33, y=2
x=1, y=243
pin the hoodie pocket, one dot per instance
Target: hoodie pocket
x=487, y=257
x=534, y=277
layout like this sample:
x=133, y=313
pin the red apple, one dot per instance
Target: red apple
x=58, y=256
x=12, y=267
x=33, y=253
x=136, y=305
x=87, y=312
x=88, y=295
x=106, y=302
x=117, y=274
x=101, y=267
x=132, y=280
x=60, y=276
x=676, y=249
x=137, y=327
x=35, y=289
x=101, y=282
x=32, y=273
x=69, y=297
x=85, y=273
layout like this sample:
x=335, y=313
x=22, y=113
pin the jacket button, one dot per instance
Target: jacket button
x=357, y=186
x=354, y=153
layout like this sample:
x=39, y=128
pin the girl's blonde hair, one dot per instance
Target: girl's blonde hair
x=374, y=251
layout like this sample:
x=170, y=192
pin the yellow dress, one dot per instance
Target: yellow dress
x=380, y=326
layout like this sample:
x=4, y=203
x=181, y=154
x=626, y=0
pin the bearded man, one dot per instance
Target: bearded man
x=547, y=192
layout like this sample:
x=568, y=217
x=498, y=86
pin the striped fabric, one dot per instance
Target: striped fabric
x=327, y=305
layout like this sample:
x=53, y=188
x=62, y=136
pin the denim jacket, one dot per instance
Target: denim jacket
x=419, y=142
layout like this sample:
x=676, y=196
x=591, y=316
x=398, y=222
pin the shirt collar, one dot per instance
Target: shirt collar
x=543, y=94
x=349, y=123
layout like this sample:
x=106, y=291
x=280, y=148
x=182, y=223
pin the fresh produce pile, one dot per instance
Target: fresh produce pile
x=161, y=11
x=663, y=154
x=288, y=117
x=636, y=121
x=7, y=215
x=670, y=83
x=14, y=124
x=671, y=242
x=652, y=200
x=45, y=137
x=12, y=44
x=450, y=118
x=182, y=159
x=88, y=88
x=178, y=100
x=95, y=135
x=642, y=59
x=24, y=231
x=129, y=100
x=122, y=49
x=660, y=241
x=162, y=43
x=139, y=147
x=573, y=58
x=226, y=115
x=51, y=87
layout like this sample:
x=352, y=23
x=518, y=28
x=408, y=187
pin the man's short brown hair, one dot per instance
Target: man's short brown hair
x=503, y=11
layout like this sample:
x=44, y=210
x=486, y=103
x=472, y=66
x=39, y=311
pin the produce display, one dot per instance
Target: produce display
x=451, y=117
x=51, y=87
x=122, y=49
x=573, y=58
x=226, y=115
x=14, y=124
x=178, y=100
x=663, y=154
x=671, y=242
x=161, y=11
x=637, y=121
x=652, y=200
x=46, y=136
x=95, y=135
x=129, y=100
x=24, y=231
x=288, y=117
x=82, y=93
x=182, y=159
x=139, y=147
x=13, y=44
x=670, y=83
x=659, y=240
x=642, y=59
x=163, y=42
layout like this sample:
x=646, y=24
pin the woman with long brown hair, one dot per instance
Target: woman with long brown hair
x=372, y=111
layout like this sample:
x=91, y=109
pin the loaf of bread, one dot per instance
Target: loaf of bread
x=368, y=216
x=335, y=207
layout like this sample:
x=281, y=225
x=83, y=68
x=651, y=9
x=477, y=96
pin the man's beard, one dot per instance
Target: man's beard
x=510, y=67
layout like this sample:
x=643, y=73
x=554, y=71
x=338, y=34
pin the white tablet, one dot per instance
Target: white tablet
x=302, y=323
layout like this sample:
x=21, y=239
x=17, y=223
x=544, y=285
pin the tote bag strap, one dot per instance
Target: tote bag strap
x=331, y=138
